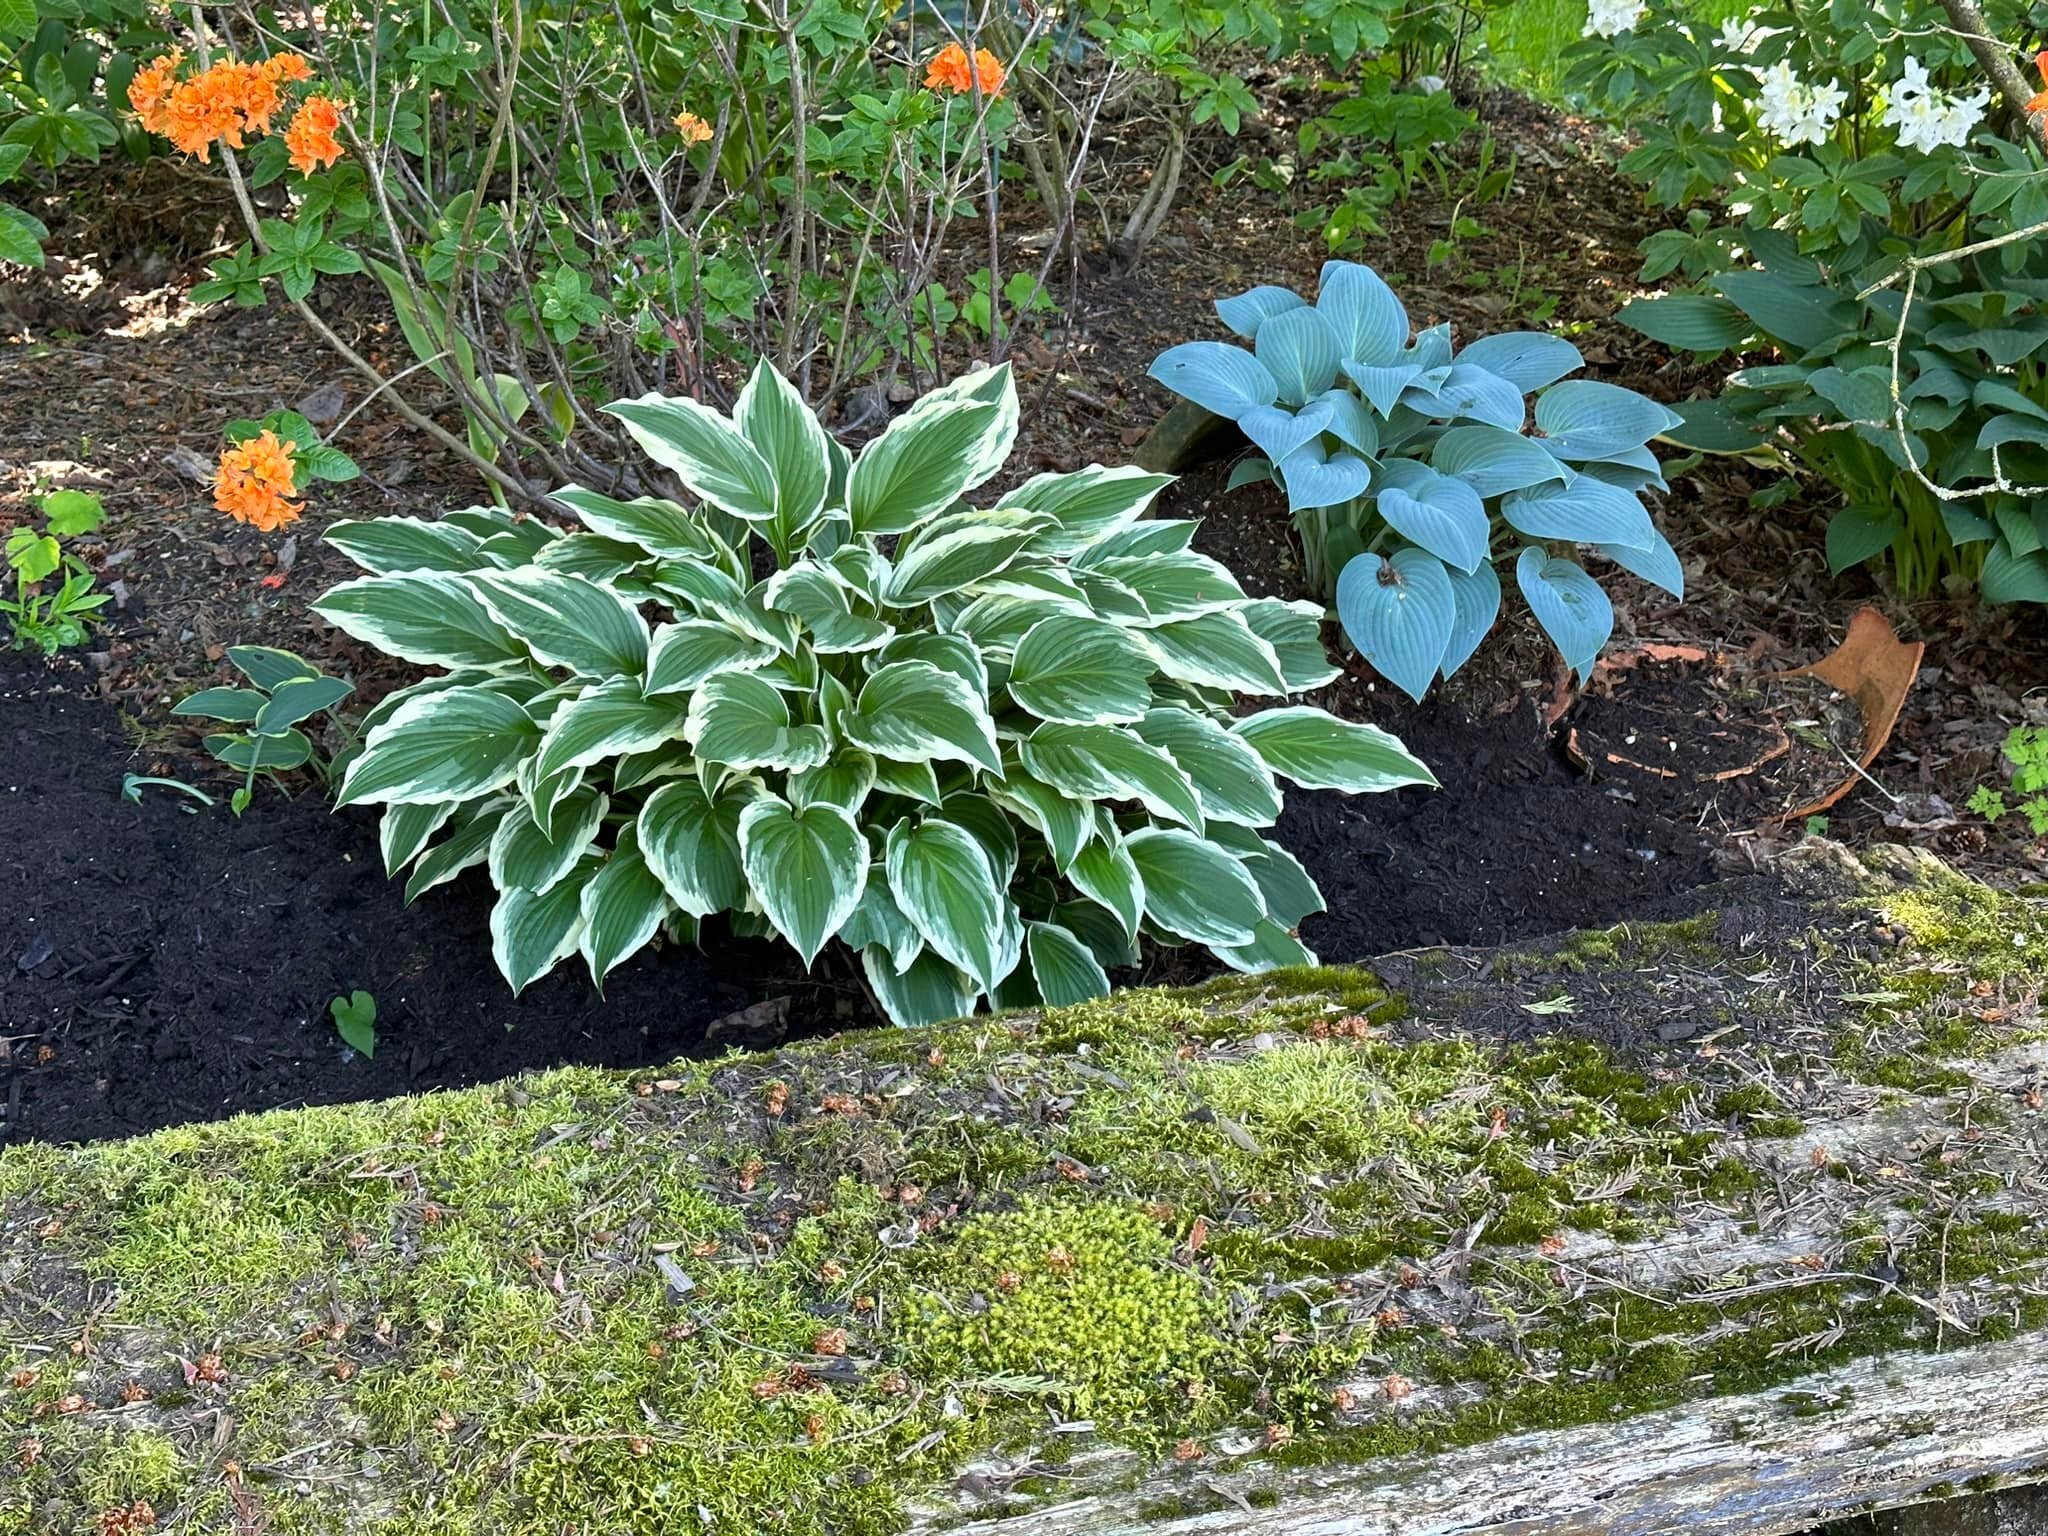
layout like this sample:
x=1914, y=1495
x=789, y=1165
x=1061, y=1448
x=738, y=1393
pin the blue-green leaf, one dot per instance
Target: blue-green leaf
x=1399, y=613
x=1569, y=605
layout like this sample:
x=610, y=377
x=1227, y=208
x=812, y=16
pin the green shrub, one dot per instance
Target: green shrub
x=1882, y=242
x=984, y=748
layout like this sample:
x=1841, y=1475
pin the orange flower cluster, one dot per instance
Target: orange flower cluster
x=2039, y=103
x=231, y=99
x=310, y=137
x=693, y=128
x=254, y=480
x=951, y=70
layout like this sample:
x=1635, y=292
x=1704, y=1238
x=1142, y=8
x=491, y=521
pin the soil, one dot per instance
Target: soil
x=173, y=964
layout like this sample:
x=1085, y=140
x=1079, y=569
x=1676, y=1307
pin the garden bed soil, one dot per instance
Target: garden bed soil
x=191, y=956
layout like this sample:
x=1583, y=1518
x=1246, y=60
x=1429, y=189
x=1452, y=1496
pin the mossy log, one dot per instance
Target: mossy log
x=1728, y=1224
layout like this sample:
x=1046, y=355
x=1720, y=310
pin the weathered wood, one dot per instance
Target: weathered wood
x=1730, y=1223
x=1871, y=1435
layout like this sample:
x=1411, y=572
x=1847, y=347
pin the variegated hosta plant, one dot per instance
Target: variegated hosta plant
x=1411, y=467
x=985, y=749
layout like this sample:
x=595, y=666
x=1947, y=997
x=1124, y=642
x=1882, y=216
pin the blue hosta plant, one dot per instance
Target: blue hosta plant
x=1411, y=467
x=984, y=749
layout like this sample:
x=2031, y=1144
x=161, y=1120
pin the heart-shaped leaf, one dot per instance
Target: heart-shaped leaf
x=1568, y=603
x=1399, y=613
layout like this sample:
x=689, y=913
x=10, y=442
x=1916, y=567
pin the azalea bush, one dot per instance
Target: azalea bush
x=1871, y=248
x=573, y=201
x=984, y=749
x=1411, y=466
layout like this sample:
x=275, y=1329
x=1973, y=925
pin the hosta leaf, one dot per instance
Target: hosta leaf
x=773, y=417
x=807, y=868
x=1855, y=534
x=691, y=840
x=1658, y=564
x=383, y=545
x=1318, y=751
x=662, y=528
x=1175, y=586
x=1194, y=888
x=287, y=749
x=524, y=855
x=687, y=652
x=1105, y=762
x=1439, y=512
x=1065, y=823
x=1086, y=505
x=1587, y=511
x=567, y=621
x=1064, y=968
x=623, y=903
x=1217, y=376
x=914, y=712
x=606, y=721
x=1476, y=594
x=1301, y=350
x=1290, y=894
x=467, y=846
x=532, y=934
x=1493, y=460
x=1369, y=322
x=1272, y=947
x=844, y=780
x=913, y=781
x=1230, y=778
x=299, y=699
x=1295, y=631
x=1215, y=650
x=942, y=882
x=451, y=745
x=1569, y=605
x=929, y=991
x=1245, y=312
x=1080, y=671
x=740, y=721
x=878, y=921
x=1690, y=322
x=923, y=462
x=958, y=551
x=403, y=830
x=237, y=706
x=1106, y=874
x=1589, y=419
x=985, y=386
x=1529, y=360
x=1350, y=422
x=956, y=654
x=1399, y=612
x=704, y=451
x=430, y=618
x=1315, y=477
x=1463, y=392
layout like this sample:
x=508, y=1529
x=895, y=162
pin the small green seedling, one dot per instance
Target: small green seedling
x=283, y=691
x=133, y=784
x=2026, y=748
x=52, y=620
x=355, y=1020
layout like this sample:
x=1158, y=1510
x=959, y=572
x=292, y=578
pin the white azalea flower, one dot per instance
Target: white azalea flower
x=1928, y=117
x=1611, y=18
x=1797, y=113
x=1742, y=36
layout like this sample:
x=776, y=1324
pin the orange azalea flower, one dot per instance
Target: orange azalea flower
x=692, y=127
x=281, y=67
x=951, y=71
x=2040, y=102
x=310, y=137
x=255, y=94
x=149, y=93
x=205, y=108
x=253, y=481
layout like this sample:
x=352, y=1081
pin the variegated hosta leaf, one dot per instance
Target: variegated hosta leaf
x=915, y=712
x=1064, y=968
x=740, y=721
x=622, y=905
x=1104, y=762
x=927, y=991
x=1295, y=632
x=704, y=451
x=567, y=621
x=522, y=854
x=942, y=882
x=1319, y=751
x=1216, y=650
x=404, y=830
x=773, y=417
x=877, y=921
x=532, y=933
x=664, y=529
x=807, y=867
x=958, y=551
x=465, y=847
x=691, y=840
x=452, y=745
x=686, y=653
x=431, y=618
x=1194, y=888
x=1080, y=671
x=606, y=721
x=923, y=462
x=1088, y=505
x=1106, y=874
x=385, y=545
x=1065, y=823
x=1230, y=778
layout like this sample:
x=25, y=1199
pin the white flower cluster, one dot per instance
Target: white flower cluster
x=1928, y=117
x=1795, y=112
x=1741, y=36
x=1611, y=18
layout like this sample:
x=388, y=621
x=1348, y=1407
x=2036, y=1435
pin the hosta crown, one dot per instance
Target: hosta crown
x=1405, y=460
x=986, y=749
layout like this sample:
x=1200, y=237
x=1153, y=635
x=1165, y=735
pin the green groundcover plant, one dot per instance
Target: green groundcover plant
x=1406, y=462
x=986, y=749
x=1882, y=237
